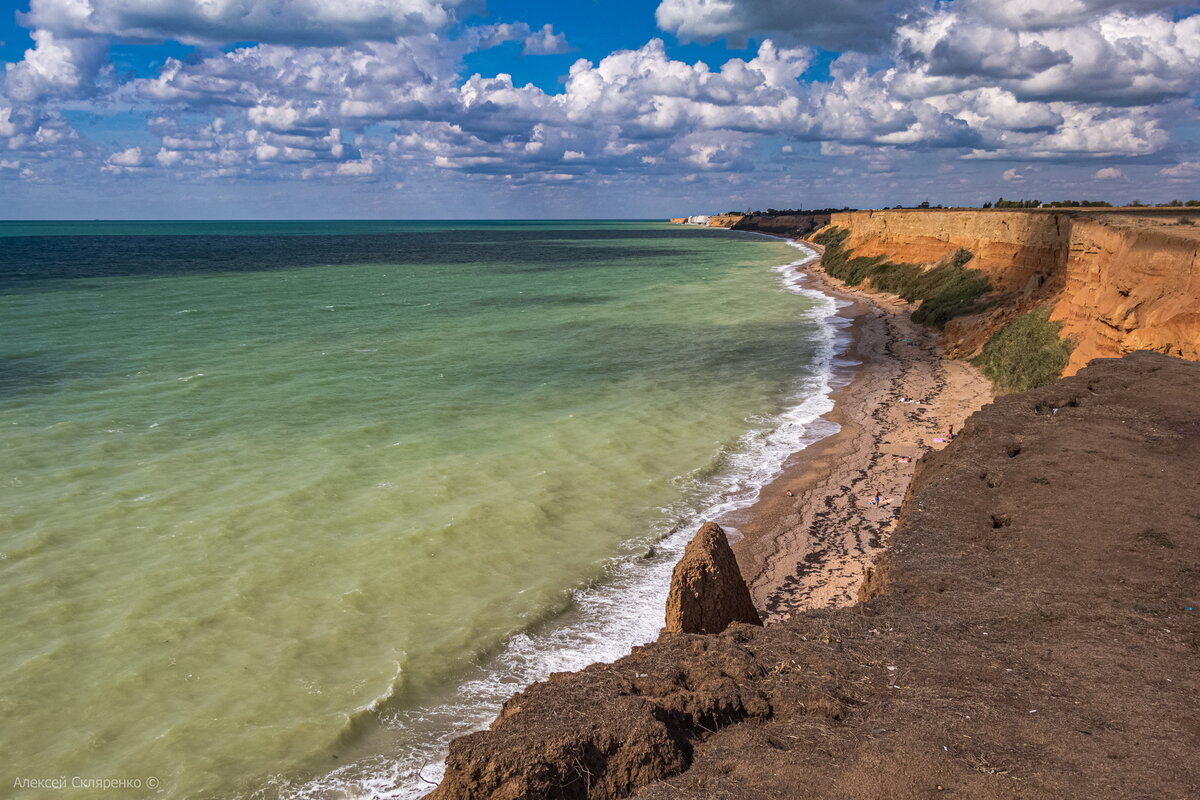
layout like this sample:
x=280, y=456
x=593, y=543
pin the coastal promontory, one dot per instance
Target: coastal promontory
x=1031, y=633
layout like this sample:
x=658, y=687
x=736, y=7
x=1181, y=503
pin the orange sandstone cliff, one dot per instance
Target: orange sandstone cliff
x=1119, y=280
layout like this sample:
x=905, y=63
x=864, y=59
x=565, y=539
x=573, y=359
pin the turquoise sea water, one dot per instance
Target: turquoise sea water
x=287, y=505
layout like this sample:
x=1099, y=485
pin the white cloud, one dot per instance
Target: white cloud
x=124, y=161
x=1108, y=174
x=54, y=67
x=127, y=158
x=8, y=126
x=546, y=43
x=221, y=21
x=863, y=25
x=1055, y=80
x=1115, y=58
x=1041, y=14
x=356, y=168
x=1182, y=170
x=632, y=106
x=31, y=133
x=1012, y=176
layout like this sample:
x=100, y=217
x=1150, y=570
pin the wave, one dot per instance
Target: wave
x=623, y=610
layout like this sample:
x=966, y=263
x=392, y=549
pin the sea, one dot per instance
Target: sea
x=287, y=506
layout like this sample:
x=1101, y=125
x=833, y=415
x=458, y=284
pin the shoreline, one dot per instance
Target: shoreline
x=979, y=630
x=812, y=549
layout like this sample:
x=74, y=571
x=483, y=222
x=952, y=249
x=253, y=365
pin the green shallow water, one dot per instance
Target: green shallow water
x=270, y=487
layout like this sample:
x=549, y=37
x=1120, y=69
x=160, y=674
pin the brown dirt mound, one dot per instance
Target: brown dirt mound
x=707, y=591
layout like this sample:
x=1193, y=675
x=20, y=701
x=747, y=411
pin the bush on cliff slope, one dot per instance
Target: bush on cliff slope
x=950, y=290
x=1026, y=353
x=946, y=291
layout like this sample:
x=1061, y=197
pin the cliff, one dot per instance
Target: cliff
x=794, y=225
x=1118, y=281
x=1031, y=634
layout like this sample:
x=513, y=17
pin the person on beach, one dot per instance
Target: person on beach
x=951, y=434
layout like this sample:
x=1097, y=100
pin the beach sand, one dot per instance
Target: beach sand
x=811, y=549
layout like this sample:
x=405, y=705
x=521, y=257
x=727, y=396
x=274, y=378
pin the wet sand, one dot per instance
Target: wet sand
x=811, y=549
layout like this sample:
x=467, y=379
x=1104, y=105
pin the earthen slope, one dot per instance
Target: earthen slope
x=1032, y=634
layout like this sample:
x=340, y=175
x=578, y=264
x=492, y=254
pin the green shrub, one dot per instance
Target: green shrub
x=840, y=262
x=832, y=236
x=949, y=290
x=1025, y=353
x=946, y=291
x=897, y=279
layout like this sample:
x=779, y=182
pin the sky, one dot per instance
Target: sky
x=411, y=109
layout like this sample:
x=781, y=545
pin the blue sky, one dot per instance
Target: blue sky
x=457, y=108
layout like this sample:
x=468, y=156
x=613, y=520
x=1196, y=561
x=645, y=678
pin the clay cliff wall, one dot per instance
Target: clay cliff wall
x=1119, y=281
x=780, y=224
x=1130, y=286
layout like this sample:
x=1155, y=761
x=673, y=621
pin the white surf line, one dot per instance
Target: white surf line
x=608, y=618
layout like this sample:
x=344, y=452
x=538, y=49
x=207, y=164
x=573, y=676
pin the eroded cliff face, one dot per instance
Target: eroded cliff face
x=1118, y=281
x=1131, y=285
x=779, y=224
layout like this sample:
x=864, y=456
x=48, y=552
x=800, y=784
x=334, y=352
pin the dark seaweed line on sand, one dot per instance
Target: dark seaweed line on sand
x=844, y=512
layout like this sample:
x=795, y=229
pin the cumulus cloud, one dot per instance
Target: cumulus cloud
x=124, y=161
x=1054, y=80
x=221, y=21
x=284, y=108
x=1182, y=171
x=45, y=137
x=1108, y=174
x=1115, y=58
x=546, y=43
x=72, y=36
x=289, y=89
x=359, y=168
x=54, y=67
x=1043, y=14
x=861, y=25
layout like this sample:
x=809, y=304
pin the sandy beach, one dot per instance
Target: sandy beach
x=810, y=548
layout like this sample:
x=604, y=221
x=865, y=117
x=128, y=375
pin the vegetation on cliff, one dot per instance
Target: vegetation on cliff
x=1026, y=353
x=947, y=290
x=1002, y=203
x=789, y=212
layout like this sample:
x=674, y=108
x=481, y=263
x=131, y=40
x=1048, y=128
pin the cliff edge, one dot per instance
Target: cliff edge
x=1117, y=281
x=1031, y=634
x=794, y=225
